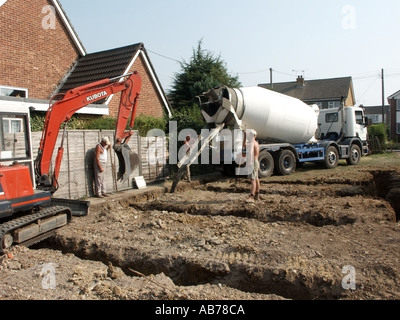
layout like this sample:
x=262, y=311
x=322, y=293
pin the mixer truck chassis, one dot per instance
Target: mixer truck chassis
x=284, y=158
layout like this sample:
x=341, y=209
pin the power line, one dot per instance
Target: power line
x=284, y=73
x=370, y=86
x=253, y=72
x=163, y=56
x=375, y=75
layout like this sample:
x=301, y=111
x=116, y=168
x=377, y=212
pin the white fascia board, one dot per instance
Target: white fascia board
x=132, y=61
x=395, y=95
x=122, y=79
x=160, y=91
x=69, y=27
x=42, y=106
x=125, y=72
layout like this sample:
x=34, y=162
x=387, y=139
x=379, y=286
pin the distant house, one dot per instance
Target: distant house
x=326, y=93
x=374, y=114
x=41, y=55
x=394, y=102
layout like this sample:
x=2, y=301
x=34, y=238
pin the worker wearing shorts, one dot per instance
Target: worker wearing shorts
x=255, y=181
x=187, y=146
x=254, y=173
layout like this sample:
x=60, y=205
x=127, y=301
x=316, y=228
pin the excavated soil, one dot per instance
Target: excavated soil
x=314, y=235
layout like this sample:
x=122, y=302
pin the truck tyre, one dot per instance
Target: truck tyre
x=266, y=164
x=285, y=163
x=331, y=157
x=355, y=155
x=229, y=170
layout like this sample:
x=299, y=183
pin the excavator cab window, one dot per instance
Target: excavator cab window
x=14, y=142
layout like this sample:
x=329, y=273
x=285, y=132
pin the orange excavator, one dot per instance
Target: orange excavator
x=28, y=211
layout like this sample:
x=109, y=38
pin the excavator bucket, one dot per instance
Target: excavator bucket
x=127, y=161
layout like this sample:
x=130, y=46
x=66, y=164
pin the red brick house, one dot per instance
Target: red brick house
x=394, y=102
x=41, y=55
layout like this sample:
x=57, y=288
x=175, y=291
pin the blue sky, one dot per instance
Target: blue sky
x=315, y=38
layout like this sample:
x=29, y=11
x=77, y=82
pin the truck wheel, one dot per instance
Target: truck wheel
x=331, y=158
x=355, y=155
x=266, y=164
x=285, y=163
x=229, y=170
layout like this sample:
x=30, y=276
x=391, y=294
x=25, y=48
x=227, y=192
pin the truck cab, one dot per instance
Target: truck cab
x=343, y=124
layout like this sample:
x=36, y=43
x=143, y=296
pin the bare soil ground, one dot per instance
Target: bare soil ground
x=314, y=235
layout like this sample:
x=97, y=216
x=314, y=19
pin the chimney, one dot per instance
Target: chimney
x=300, y=81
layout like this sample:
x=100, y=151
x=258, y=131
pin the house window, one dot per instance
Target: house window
x=398, y=105
x=13, y=92
x=376, y=118
x=12, y=125
x=331, y=104
x=398, y=122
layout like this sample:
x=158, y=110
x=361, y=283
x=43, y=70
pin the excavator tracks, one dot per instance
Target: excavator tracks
x=33, y=228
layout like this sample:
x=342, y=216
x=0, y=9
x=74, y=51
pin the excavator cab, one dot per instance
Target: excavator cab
x=17, y=192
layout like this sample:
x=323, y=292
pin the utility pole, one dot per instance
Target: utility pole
x=383, y=98
x=270, y=78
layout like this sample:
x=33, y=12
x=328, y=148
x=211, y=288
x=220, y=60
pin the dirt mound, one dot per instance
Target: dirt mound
x=314, y=235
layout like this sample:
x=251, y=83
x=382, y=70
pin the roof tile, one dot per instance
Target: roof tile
x=314, y=89
x=100, y=65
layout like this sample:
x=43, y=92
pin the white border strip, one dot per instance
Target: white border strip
x=69, y=28
x=160, y=91
x=44, y=107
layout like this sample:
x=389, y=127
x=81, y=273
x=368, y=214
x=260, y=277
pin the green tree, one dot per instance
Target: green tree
x=379, y=131
x=203, y=72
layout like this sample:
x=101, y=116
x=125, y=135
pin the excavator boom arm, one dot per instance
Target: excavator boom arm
x=127, y=110
x=61, y=111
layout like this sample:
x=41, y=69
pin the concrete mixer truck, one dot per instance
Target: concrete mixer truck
x=289, y=131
